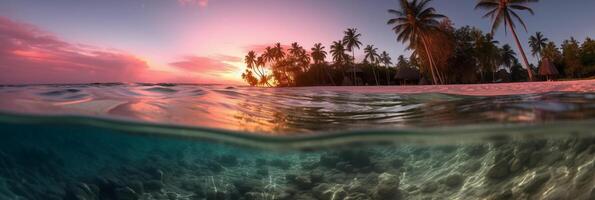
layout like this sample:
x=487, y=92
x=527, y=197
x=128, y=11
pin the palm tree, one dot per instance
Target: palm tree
x=373, y=57
x=338, y=52
x=250, y=60
x=254, y=63
x=264, y=77
x=386, y=60
x=278, y=54
x=413, y=22
x=507, y=56
x=504, y=11
x=268, y=55
x=537, y=42
x=318, y=56
x=351, y=41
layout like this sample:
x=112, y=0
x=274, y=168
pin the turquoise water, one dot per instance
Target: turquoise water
x=129, y=142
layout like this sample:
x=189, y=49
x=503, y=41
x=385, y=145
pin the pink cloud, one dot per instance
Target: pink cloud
x=201, y=3
x=30, y=55
x=227, y=58
x=203, y=65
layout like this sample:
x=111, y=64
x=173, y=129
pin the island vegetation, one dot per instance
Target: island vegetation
x=440, y=53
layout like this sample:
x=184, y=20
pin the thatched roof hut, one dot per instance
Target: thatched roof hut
x=547, y=68
x=357, y=69
x=407, y=73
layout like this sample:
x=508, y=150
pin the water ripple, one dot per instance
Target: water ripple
x=292, y=110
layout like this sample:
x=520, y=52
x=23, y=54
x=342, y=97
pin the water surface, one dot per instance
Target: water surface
x=188, y=142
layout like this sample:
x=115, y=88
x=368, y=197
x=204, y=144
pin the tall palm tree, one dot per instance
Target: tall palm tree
x=254, y=63
x=279, y=53
x=503, y=11
x=268, y=55
x=260, y=65
x=250, y=60
x=338, y=52
x=351, y=41
x=318, y=55
x=372, y=57
x=386, y=60
x=537, y=42
x=413, y=23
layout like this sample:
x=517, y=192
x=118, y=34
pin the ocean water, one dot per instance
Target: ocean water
x=166, y=141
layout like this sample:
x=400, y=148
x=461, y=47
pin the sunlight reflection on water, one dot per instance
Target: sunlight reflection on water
x=289, y=111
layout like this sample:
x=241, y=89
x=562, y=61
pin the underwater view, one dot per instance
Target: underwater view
x=168, y=141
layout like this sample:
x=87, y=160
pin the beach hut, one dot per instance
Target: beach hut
x=349, y=75
x=405, y=74
x=547, y=69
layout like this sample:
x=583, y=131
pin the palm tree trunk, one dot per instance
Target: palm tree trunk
x=518, y=44
x=434, y=79
x=329, y=76
x=353, y=64
x=374, y=71
x=387, y=75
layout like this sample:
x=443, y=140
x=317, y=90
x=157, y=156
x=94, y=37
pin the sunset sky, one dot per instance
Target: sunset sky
x=204, y=41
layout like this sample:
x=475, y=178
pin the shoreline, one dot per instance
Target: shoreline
x=486, y=89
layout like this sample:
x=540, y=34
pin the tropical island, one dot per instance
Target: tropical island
x=440, y=53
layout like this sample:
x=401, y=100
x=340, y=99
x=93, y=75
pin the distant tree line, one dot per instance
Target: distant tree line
x=441, y=54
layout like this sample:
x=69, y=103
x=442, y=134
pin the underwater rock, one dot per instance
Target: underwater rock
x=348, y=160
x=316, y=176
x=308, y=165
x=156, y=174
x=153, y=185
x=303, y=182
x=429, y=187
x=281, y=164
x=397, y=163
x=193, y=186
x=262, y=172
x=214, y=166
x=80, y=191
x=327, y=191
x=533, y=184
x=137, y=186
x=499, y=170
x=227, y=193
x=476, y=150
x=227, y=160
x=516, y=165
x=502, y=195
x=126, y=193
x=388, y=187
x=260, y=162
x=454, y=180
x=585, y=174
x=245, y=186
x=582, y=144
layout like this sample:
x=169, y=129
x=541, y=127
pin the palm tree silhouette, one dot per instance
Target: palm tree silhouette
x=373, y=57
x=386, y=60
x=338, y=54
x=537, y=42
x=507, y=56
x=413, y=22
x=504, y=11
x=318, y=56
x=351, y=41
